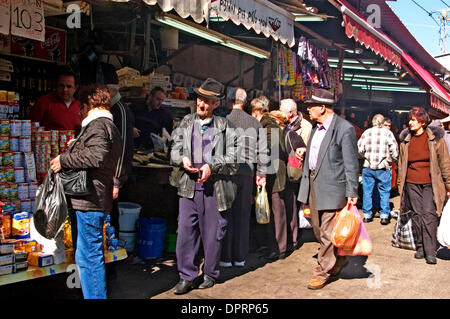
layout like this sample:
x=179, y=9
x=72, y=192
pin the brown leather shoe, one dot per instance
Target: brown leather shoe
x=316, y=284
x=338, y=268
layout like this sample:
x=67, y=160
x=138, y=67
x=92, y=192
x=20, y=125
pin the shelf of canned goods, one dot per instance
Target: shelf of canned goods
x=34, y=272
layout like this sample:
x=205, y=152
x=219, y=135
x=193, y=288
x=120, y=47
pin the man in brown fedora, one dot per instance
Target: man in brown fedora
x=204, y=147
x=330, y=173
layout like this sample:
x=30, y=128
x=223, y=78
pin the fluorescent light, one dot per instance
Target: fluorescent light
x=373, y=77
x=390, y=88
x=211, y=35
x=349, y=78
x=357, y=67
x=352, y=61
x=356, y=51
x=216, y=19
x=307, y=18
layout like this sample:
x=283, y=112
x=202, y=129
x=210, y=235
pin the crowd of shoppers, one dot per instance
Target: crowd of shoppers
x=223, y=159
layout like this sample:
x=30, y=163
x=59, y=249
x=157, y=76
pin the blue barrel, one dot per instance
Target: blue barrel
x=151, y=234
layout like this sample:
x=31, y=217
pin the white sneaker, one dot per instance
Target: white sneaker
x=225, y=264
x=239, y=263
x=394, y=213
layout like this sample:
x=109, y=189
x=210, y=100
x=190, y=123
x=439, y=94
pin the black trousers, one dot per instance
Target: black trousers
x=419, y=198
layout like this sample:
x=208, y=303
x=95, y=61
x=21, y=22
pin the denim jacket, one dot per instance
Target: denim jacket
x=223, y=162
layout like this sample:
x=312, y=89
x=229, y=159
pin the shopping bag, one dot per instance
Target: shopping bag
x=346, y=226
x=50, y=208
x=443, y=232
x=403, y=235
x=303, y=222
x=262, y=206
x=363, y=245
x=294, y=165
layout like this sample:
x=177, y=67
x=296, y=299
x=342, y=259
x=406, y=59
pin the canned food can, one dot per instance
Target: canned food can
x=16, y=128
x=26, y=127
x=18, y=159
x=32, y=202
x=3, y=192
x=16, y=204
x=4, y=143
x=35, y=124
x=25, y=144
x=8, y=159
x=38, y=137
x=14, y=143
x=32, y=189
x=9, y=173
x=24, y=191
x=19, y=175
x=13, y=191
x=55, y=136
x=46, y=136
x=4, y=127
x=6, y=191
x=25, y=205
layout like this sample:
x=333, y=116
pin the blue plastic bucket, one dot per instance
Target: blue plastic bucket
x=151, y=234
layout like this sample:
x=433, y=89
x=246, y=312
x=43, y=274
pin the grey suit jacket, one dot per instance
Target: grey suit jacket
x=337, y=169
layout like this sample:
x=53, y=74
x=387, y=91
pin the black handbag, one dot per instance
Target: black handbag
x=75, y=182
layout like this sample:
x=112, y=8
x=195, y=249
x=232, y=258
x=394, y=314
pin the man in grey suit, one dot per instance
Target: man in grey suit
x=329, y=181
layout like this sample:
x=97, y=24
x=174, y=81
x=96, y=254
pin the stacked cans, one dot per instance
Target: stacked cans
x=15, y=140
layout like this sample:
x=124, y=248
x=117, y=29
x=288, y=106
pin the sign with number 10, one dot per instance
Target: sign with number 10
x=27, y=19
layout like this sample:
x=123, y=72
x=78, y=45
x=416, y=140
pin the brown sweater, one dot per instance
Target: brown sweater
x=418, y=160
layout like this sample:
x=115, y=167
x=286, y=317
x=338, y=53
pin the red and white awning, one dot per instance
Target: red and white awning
x=359, y=29
x=197, y=9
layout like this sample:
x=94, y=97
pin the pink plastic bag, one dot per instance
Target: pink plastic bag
x=363, y=245
x=345, y=228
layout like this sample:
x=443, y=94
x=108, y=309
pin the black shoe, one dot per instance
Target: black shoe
x=183, y=286
x=368, y=220
x=384, y=221
x=207, y=283
x=419, y=255
x=431, y=260
x=271, y=256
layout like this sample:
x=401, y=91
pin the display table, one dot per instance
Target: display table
x=38, y=272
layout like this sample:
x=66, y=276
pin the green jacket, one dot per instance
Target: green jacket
x=223, y=163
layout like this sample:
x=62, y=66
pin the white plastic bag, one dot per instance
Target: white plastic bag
x=443, y=232
x=54, y=246
x=303, y=222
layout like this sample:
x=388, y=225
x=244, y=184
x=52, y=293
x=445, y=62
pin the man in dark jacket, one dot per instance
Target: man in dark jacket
x=124, y=121
x=329, y=181
x=204, y=147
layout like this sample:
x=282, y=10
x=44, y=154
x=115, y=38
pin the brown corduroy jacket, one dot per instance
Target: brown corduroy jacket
x=439, y=164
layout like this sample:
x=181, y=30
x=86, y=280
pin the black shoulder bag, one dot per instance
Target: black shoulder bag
x=75, y=181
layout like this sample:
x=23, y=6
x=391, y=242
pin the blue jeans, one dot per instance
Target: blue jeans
x=380, y=178
x=87, y=236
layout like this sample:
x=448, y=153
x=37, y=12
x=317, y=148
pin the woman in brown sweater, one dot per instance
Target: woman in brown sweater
x=424, y=179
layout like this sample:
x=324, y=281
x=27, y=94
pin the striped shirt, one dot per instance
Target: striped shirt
x=378, y=147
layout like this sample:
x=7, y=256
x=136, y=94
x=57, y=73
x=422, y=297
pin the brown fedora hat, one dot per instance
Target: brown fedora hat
x=211, y=89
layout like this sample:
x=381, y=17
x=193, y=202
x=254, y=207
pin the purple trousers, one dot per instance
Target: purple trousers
x=199, y=221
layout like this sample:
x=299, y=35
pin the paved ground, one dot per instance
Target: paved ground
x=387, y=274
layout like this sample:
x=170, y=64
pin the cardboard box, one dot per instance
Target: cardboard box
x=6, y=248
x=20, y=257
x=6, y=270
x=21, y=266
x=6, y=260
x=40, y=259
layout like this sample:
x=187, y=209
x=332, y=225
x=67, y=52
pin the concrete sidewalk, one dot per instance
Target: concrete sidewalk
x=388, y=273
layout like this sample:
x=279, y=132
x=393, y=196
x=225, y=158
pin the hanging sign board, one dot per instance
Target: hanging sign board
x=27, y=19
x=52, y=49
x=4, y=16
x=259, y=15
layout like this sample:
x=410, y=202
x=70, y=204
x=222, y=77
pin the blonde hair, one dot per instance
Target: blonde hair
x=260, y=104
x=280, y=117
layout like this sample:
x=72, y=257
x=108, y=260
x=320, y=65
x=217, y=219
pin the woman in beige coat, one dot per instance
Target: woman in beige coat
x=424, y=179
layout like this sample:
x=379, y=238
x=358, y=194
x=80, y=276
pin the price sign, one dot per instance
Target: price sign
x=27, y=19
x=4, y=16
